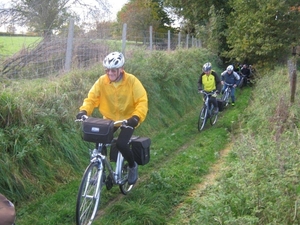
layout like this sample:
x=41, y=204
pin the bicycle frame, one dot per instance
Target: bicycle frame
x=115, y=174
x=206, y=111
x=94, y=178
x=226, y=93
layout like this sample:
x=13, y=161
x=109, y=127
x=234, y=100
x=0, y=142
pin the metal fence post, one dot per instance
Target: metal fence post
x=150, y=38
x=179, y=40
x=187, y=41
x=69, y=46
x=169, y=40
x=124, y=34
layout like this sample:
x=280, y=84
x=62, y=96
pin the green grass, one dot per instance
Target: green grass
x=43, y=156
x=11, y=45
x=180, y=157
x=260, y=182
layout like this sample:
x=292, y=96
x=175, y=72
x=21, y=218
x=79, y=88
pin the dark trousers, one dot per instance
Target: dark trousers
x=123, y=146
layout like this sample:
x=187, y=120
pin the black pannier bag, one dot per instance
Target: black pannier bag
x=141, y=150
x=221, y=104
x=98, y=130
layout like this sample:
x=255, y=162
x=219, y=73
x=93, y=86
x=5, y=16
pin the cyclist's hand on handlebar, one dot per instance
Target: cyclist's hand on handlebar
x=133, y=121
x=200, y=90
x=80, y=114
x=215, y=94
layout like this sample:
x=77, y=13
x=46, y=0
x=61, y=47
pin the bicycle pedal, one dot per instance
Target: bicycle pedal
x=104, y=178
x=109, y=184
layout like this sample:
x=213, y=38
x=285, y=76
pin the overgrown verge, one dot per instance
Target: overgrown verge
x=260, y=183
x=180, y=158
x=40, y=145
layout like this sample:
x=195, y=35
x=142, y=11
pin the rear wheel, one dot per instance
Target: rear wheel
x=88, y=197
x=214, y=116
x=124, y=186
x=202, y=118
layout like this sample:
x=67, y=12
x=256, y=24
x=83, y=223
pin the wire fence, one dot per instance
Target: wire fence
x=70, y=49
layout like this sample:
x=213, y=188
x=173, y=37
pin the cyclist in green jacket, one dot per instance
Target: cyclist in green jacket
x=210, y=81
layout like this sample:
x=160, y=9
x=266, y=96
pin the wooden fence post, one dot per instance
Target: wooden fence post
x=293, y=85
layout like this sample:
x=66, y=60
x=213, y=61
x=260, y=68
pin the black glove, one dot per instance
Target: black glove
x=80, y=114
x=133, y=121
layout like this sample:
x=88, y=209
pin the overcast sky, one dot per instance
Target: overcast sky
x=116, y=7
x=116, y=4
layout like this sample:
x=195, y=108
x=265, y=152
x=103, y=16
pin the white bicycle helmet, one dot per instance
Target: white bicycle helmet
x=114, y=60
x=229, y=68
x=206, y=67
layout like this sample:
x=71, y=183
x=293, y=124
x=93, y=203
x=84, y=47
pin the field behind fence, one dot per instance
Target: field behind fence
x=34, y=57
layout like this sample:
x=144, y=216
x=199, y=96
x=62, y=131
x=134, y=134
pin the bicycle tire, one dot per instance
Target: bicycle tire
x=202, y=118
x=214, y=116
x=124, y=186
x=88, y=197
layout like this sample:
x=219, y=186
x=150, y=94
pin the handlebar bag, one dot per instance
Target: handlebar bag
x=141, y=150
x=98, y=130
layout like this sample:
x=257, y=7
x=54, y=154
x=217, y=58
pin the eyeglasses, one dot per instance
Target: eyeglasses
x=111, y=70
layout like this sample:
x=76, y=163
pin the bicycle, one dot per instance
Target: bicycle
x=95, y=177
x=244, y=81
x=207, y=111
x=226, y=94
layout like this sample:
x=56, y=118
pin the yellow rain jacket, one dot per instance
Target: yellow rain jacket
x=117, y=101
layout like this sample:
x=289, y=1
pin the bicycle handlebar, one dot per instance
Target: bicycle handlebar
x=228, y=84
x=123, y=123
x=208, y=92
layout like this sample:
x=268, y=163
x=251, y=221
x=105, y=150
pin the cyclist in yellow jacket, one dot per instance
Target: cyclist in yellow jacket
x=118, y=95
x=210, y=81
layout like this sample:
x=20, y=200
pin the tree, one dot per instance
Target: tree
x=140, y=14
x=49, y=15
x=204, y=19
x=11, y=29
x=262, y=31
x=195, y=12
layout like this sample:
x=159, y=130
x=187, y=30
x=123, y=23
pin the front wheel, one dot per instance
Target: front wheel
x=202, y=118
x=88, y=197
x=225, y=97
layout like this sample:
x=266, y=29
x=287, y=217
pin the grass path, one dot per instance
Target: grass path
x=184, y=162
x=208, y=180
